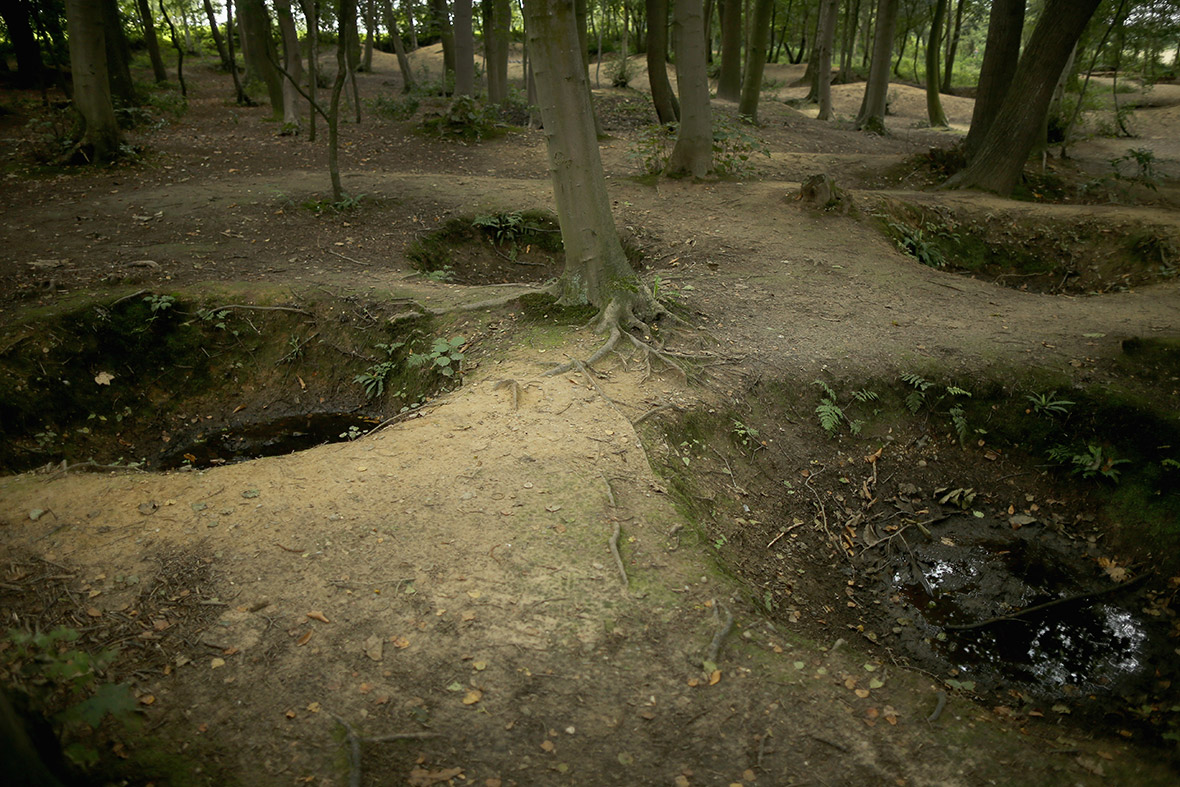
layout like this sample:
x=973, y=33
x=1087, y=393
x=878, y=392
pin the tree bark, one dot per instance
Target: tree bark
x=953, y=46
x=311, y=17
x=497, y=17
x=729, y=83
x=92, y=90
x=827, y=32
x=596, y=270
x=347, y=12
x=243, y=99
x=442, y=19
x=1000, y=56
x=756, y=62
x=464, y=49
x=411, y=28
x=29, y=66
x=150, y=40
x=693, y=152
x=370, y=17
x=934, y=111
x=999, y=163
x=118, y=55
x=399, y=48
x=871, y=117
x=292, y=64
x=217, y=40
x=260, y=54
x=667, y=107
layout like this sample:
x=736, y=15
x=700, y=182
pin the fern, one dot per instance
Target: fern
x=828, y=392
x=830, y=416
x=865, y=395
x=916, y=381
x=914, y=401
x=959, y=421
x=954, y=390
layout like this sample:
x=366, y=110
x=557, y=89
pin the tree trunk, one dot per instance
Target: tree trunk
x=596, y=270
x=311, y=17
x=217, y=40
x=442, y=19
x=179, y=50
x=260, y=53
x=118, y=55
x=464, y=49
x=693, y=153
x=403, y=61
x=667, y=107
x=92, y=90
x=29, y=67
x=828, y=11
x=347, y=25
x=1000, y=55
x=352, y=52
x=243, y=99
x=292, y=64
x=149, y=39
x=999, y=163
x=370, y=17
x=871, y=117
x=756, y=62
x=729, y=83
x=497, y=16
x=934, y=112
x=411, y=28
x=953, y=46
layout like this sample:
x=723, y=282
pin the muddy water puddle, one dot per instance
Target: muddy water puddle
x=283, y=435
x=1025, y=610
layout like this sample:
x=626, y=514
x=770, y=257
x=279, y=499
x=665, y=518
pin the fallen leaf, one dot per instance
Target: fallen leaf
x=147, y=699
x=474, y=593
x=472, y=697
x=216, y=663
x=373, y=647
x=94, y=612
x=290, y=714
x=862, y=693
x=547, y=745
x=715, y=677
x=318, y=616
x=626, y=758
x=479, y=666
x=401, y=643
x=420, y=777
x=314, y=707
x=304, y=639
x=104, y=378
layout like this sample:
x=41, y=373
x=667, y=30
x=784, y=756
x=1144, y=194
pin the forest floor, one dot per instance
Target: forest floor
x=439, y=600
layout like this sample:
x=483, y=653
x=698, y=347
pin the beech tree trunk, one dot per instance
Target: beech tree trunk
x=871, y=117
x=311, y=17
x=667, y=107
x=497, y=17
x=999, y=162
x=464, y=49
x=934, y=111
x=823, y=43
x=1000, y=57
x=217, y=40
x=149, y=39
x=370, y=16
x=952, y=46
x=729, y=82
x=756, y=61
x=292, y=64
x=403, y=61
x=693, y=153
x=260, y=53
x=596, y=270
x=92, y=89
x=118, y=55
x=442, y=19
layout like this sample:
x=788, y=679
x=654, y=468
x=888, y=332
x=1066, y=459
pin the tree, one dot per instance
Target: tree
x=952, y=45
x=92, y=90
x=596, y=269
x=442, y=20
x=464, y=49
x=260, y=53
x=999, y=162
x=827, y=34
x=403, y=61
x=292, y=64
x=667, y=107
x=16, y=16
x=1000, y=55
x=756, y=60
x=693, y=152
x=118, y=57
x=497, y=19
x=221, y=53
x=871, y=117
x=149, y=39
x=729, y=82
x=934, y=111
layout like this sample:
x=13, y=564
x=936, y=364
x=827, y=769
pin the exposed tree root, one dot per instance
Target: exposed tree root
x=614, y=550
x=515, y=388
x=420, y=310
x=714, y=651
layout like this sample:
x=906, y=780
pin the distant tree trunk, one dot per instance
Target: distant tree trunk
x=871, y=117
x=179, y=49
x=292, y=64
x=828, y=11
x=370, y=17
x=810, y=77
x=403, y=61
x=756, y=62
x=311, y=17
x=729, y=83
x=217, y=41
x=580, y=17
x=261, y=54
x=999, y=162
x=497, y=16
x=1000, y=56
x=352, y=53
x=464, y=49
x=29, y=66
x=596, y=270
x=934, y=111
x=243, y=99
x=345, y=32
x=442, y=19
x=149, y=39
x=411, y=28
x=667, y=107
x=92, y=91
x=118, y=55
x=693, y=152
x=953, y=46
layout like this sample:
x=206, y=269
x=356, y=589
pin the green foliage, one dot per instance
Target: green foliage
x=831, y=415
x=620, y=72
x=1090, y=461
x=734, y=147
x=1048, y=405
x=502, y=227
x=346, y=204
x=746, y=435
x=1145, y=172
x=922, y=242
x=158, y=304
x=53, y=135
x=402, y=108
x=465, y=120
x=444, y=356
x=374, y=378
x=918, y=397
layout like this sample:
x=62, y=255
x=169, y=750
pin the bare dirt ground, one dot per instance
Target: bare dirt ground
x=437, y=601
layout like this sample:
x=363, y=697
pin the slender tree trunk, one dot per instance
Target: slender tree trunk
x=934, y=111
x=596, y=270
x=999, y=163
x=261, y=54
x=666, y=104
x=693, y=152
x=353, y=55
x=344, y=34
x=759, y=42
x=399, y=48
x=464, y=49
x=871, y=117
x=149, y=39
x=92, y=91
x=1000, y=56
x=580, y=17
x=442, y=18
x=311, y=17
x=118, y=55
x=243, y=99
x=411, y=28
x=828, y=10
x=292, y=64
x=179, y=50
x=216, y=33
x=370, y=17
x=497, y=16
x=729, y=83
x=952, y=47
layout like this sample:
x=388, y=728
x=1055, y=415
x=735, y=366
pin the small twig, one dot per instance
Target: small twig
x=714, y=651
x=128, y=297
x=289, y=549
x=938, y=708
x=350, y=259
x=249, y=307
x=1050, y=604
x=614, y=550
x=732, y=479
x=655, y=411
